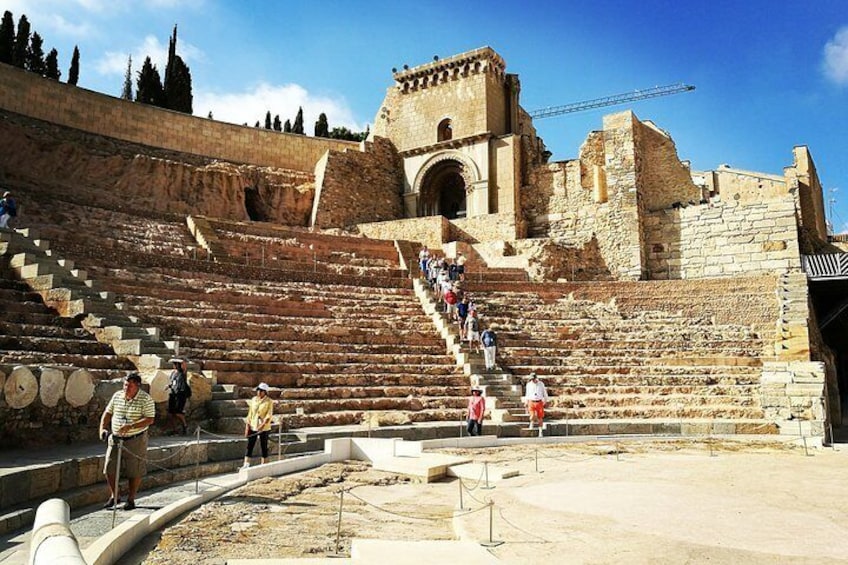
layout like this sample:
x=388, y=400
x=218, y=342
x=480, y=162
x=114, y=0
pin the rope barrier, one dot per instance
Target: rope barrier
x=522, y=530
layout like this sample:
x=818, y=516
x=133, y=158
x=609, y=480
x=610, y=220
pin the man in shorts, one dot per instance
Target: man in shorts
x=535, y=395
x=124, y=424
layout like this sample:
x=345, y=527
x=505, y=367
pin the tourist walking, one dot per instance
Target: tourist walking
x=259, y=413
x=490, y=346
x=462, y=315
x=423, y=258
x=8, y=209
x=179, y=393
x=124, y=425
x=535, y=396
x=476, y=412
x=460, y=265
x=472, y=331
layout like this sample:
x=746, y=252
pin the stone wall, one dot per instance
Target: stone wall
x=592, y=202
x=663, y=179
x=722, y=240
x=793, y=397
x=803, y=178
x=483, y=228
x=60, y=103
x=354, y=187
x=430, y=230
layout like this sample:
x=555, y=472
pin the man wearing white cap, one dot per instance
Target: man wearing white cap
x=535, y=396
x=259, y=412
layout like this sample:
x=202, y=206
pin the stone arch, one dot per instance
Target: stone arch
x=443, y=183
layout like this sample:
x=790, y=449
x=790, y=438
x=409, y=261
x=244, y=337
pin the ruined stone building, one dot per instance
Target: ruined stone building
x=651, y=294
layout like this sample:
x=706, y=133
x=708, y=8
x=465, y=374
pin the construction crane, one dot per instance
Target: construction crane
x=613, y=100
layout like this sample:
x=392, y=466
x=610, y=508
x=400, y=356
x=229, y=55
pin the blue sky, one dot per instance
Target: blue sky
x=770, y=74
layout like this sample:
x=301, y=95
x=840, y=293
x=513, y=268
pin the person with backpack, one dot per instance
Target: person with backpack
x=8, y=209
x=179, y=392
x=490, y=345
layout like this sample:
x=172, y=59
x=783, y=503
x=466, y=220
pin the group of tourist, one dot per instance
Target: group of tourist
x=446, y=279
x=8, y=209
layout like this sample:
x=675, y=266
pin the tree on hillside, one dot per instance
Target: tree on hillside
x=51, y=65
x=268, y=119
x=177, y=84
x=73, y=72
x=7, y=38
x=19, y=51
x=35, y=55
x=126, y=91
x=322, y=128
x=297, y=127
x=148, y=87
x=287, y=127
x=278, y=124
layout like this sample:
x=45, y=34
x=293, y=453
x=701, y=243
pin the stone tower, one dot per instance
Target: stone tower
x=455, y=123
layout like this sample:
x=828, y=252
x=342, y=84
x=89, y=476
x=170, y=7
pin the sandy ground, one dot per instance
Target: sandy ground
x=672, y=502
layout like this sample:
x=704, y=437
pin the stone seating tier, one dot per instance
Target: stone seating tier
x=303, y=238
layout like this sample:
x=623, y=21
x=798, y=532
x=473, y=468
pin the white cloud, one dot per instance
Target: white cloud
x=836, y=57
x=115, y=62
x=251, y=105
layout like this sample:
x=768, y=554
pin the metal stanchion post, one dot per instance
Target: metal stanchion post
x=491, y=542
x=120, y=446
x=461, y=507
x=339, y=526
x=486, y=473
x=537, y=460
x=280, y=442
x=617, y=452
x=197, y=461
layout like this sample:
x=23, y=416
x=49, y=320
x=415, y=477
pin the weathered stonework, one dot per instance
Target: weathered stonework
x=357, y=186
x=722, y=240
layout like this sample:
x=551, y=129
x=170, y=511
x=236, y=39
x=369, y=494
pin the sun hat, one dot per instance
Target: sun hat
x=262, y=386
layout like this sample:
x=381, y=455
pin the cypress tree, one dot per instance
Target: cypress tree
x=322, y=128
x=19, y=51
x=268, y=119
x=73, y=73
x=278, y=125
x=149, y=85
x=287, y=127
x=51, y=64
x=35, y=55
x=126, y=92
x=7, y=38
x=298, y=122
x=177, y=84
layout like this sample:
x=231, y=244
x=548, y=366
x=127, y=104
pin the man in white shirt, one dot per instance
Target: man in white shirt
x=535, y=396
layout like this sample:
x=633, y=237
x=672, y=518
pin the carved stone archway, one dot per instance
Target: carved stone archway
x=443, y=184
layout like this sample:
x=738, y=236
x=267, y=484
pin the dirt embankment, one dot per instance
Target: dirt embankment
x=57, y=162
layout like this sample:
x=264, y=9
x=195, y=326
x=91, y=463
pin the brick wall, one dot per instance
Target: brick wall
x=722, y=240
x=63, y=104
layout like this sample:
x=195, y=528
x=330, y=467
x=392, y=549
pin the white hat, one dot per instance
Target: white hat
x=175, y=360
x=262, y=386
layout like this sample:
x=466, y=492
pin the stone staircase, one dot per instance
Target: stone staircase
x=72, y=294
x=502, y=390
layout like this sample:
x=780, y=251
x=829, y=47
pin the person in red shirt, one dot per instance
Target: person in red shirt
x=476, y=411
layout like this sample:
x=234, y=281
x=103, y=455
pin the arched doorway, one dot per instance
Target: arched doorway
x=443, y=191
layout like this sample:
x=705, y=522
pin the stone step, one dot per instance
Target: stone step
x=251, y=378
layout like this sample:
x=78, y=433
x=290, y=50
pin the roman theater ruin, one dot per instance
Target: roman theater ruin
x=652, y=299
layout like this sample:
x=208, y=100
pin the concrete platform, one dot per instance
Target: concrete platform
x=427, y=467
x=481, y=472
